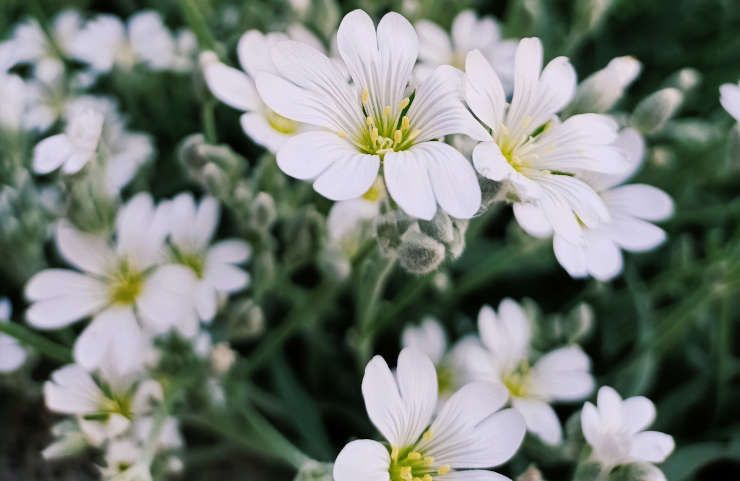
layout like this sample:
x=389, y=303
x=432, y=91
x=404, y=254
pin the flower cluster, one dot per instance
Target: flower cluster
x=129, y=209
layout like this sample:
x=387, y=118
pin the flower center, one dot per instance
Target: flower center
x=126, y=285
x=517, y=381
x=194, y=261
x=409, y=464
x=385, y=132
x=280, y=123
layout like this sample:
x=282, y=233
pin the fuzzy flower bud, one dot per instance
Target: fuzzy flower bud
x=419, y=253
x=654, y=111
x=439, y=228
x=315, y=471
x=389, y=229
x=263, y=213
x=604, y=88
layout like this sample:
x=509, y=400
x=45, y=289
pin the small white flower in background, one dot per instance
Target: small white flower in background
x=469, y=435
x=349, y=221
x=615, y=430
x=504, y=355
x=31, y=45
x=632, y=208
x=374, y=118
x=124, y=152
x=125, y=287
x=106, y=42
x=16, y=99
x=730, y=99
x=468, y=33
x=532, y=151
x=215, y=267
x=73, y=149
x=12, y=354
x=236, y=88
x=105, y=403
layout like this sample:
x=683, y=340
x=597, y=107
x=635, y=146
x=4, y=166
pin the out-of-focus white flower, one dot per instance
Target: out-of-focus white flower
x=106, y=42
x=374, y=118
x=15, y=98
x=730, y=99
x=106, y=404
x=503, y=355
x=30, y=44
x=124, y=152
x=468, y=33
x=602, y=89
x=428, y=337
x=236, y=88
x=631, y=207
x=470, y=432
x=69, y=440
x=349, y=221
x=73, y=149
x=214, y=267
x=125, y=287
x=12, y=354
x=615, y=430
x=534, y=153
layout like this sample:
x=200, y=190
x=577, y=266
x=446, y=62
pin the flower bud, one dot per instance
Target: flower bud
x=603, y=89
x=590, y=14
x=245, y=319
x=457, y=245
x=262, y=213
x=222, y=358
x=531, y=474
x=685, y=79
x=334, y=263
x=439, y=228
x=389, y=228
x=419, y=253
x=637, y=472
x=654, y=111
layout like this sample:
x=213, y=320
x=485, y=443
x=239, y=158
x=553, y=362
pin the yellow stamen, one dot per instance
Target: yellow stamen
x=429, y=460
x=405, y=122
x=397, y=136
x=404, y=103
x=365, y=96
x=427, y=435
x=394, y=452
x=444, y=469
x=405, y=473
x=414, y=456
x=427, y=477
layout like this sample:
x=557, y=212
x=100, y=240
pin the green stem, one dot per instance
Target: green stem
x=40, y=343
x=209, y=121
x=367, y=311
x=278, y=443
x=198, y=24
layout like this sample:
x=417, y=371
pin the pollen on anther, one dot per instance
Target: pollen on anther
x=427, y=435
x=444, y=469
x=414, y=455
x=365, y=96
x=404, y=103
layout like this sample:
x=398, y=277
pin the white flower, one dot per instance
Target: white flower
x=106, y=42
x=730, y=99
x=615, y=430
x=503, y=355
x=533, y=152
x=469, y=435
x=236, y=88
x=428, y=337
x=105, y=405
x=12, y=354
x=124, y=287
x=374, y=118
x=215, y=267
x=124, y=152
x=349, y=221
x=31, y=45
x=16, y=98
x=631, y=207
x=468, y=33
x=73, y=149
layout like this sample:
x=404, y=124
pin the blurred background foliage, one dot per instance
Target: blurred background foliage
x=668, y=328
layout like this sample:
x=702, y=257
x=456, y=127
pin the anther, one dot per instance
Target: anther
x=414, y=456
x=405, y=473
x=387, y=111
x=429, y=460
x=394, y=452
x=405, y=122
x=444, y=469
x=427, y=435
x=397, y=136
x=365, y=96
x=427, y=477
x=404, y=103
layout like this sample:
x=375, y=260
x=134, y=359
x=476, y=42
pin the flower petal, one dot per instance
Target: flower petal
x=639, y=413
x=730, y=99
x=408, y=183
x=540, y=419
x=633, y=234
x=532, y=220
x=490, y=162
x=72, y=390
x=349, y=176
x=87, y=252
x=563, y=374
x=434, y=43
x=603, y=257
x=253, y=51
x=229, y=251
x=483, y=90
x=62, y=297
x=383, y=401
x=113, y=334
x=453, y=179
x=231, y=86
x=417, y=383
x=652, y=446
x=571, y=256
x=639, y=200
x=362, y=460
x=51, y=153
x=258, y=129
